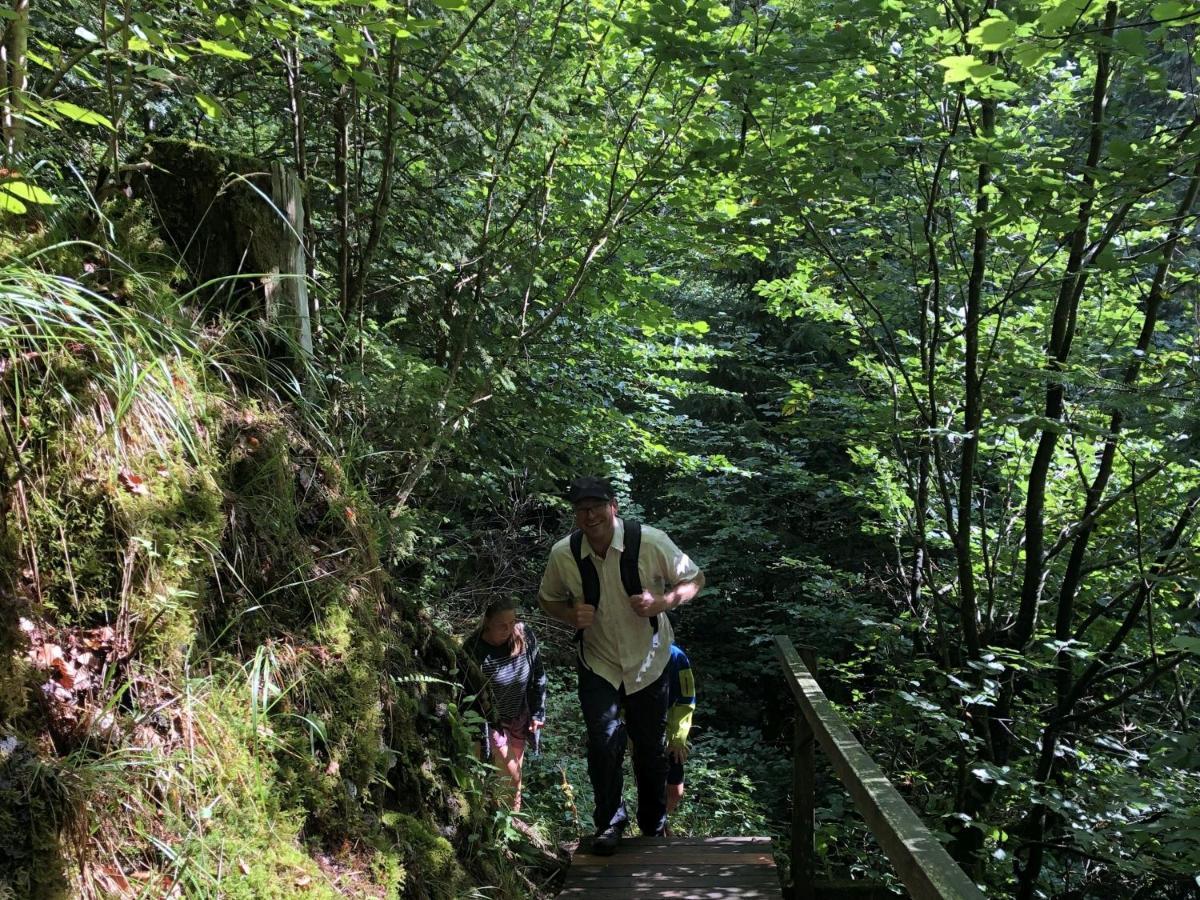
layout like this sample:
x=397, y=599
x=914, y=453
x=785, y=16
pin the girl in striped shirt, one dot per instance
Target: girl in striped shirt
x=509, y=659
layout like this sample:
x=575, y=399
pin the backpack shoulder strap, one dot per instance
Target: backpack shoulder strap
x=587, y=570
x=587, y=575
x=630, y=577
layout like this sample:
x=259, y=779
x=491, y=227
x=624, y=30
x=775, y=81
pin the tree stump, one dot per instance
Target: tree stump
x=237, y=225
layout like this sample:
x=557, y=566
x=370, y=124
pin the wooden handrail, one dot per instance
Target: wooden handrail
x=922, y=863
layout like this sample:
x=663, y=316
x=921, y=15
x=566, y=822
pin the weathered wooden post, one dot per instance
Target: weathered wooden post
x=804, y=849
x=287, y=288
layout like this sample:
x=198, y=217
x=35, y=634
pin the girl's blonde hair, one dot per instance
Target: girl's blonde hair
x=505, y=604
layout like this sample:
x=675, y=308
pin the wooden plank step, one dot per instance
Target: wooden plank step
x=681, y=874
x=740, y=841
x=666, y=880
x=677, y=869
x=721, y=892
x=678, y=856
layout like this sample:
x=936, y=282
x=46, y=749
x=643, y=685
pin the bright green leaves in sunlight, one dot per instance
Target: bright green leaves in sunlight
x=729, y=209
x=996, y=33
x=76, y=113
x=223, y=48
x=928, y=237
x=210, y=106
x=10, y=204
x=966, y=68
x=1064, y=14
x=18, y=193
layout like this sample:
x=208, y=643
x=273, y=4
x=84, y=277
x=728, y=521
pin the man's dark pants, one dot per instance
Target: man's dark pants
x=646, y=726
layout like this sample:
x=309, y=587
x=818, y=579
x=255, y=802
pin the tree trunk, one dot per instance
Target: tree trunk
x=1057, y=352
x=341, y=185
x=16, y=77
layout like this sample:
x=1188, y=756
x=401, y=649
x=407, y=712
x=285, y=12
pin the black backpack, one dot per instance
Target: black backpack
x=630, y=579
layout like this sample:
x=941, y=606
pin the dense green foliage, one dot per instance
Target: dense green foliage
x=885, y=310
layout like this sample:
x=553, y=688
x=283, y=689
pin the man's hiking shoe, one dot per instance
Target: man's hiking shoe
x=604, y=843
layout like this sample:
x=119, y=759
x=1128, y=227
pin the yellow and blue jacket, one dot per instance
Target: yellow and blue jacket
x=681, y=699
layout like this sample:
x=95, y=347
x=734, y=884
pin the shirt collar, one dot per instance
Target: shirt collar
x=618, y=541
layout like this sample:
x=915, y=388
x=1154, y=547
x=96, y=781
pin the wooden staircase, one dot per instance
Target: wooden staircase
x=680, y=868
x=726, y=867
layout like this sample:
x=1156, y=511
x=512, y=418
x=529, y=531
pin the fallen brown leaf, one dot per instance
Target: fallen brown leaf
x=132, y=482
x=113, y=878
x=64, y=672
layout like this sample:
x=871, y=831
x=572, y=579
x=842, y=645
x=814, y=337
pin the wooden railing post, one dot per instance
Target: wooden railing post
x=804, y=847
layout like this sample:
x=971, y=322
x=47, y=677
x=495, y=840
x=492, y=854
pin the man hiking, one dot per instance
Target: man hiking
x=614, y=580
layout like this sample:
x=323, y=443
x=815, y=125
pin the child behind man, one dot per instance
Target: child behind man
x=681, y=706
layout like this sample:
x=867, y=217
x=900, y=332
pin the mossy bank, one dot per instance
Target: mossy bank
x=209, y=685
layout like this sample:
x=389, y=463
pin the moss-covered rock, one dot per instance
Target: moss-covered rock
x=33, y=809
x=430, y=860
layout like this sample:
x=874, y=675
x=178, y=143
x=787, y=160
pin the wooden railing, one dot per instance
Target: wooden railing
x=922, y=863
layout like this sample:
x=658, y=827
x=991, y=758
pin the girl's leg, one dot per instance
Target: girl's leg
x=506, y=759
x=516, y=758
x=674, y=795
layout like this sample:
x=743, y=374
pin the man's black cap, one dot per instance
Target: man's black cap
x=588, y=487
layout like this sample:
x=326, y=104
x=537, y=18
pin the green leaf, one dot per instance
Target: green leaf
x=38, y=60
x=1187, y=644
x=993, y=34
x=89, y=36
x=1030, y=54
x=984, y=71
x=228, y=25
x=1062, y=15
x=79, y=114
x=958, y=68
x=1168, y=9
x=1133, y=41
x=156, y=73
x=223, y=48
x=10, y=204
x=728, y=208
x=350, y=54
x=209, y=106
x=451, y=4
x=32, y=115
x=30, y=192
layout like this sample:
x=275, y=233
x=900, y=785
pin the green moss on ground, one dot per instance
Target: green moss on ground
x=430, y=859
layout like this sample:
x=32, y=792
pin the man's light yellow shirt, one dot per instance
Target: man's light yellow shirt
x=618, y=646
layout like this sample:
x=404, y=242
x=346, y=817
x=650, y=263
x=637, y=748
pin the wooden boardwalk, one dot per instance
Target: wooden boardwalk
x=677, y=869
